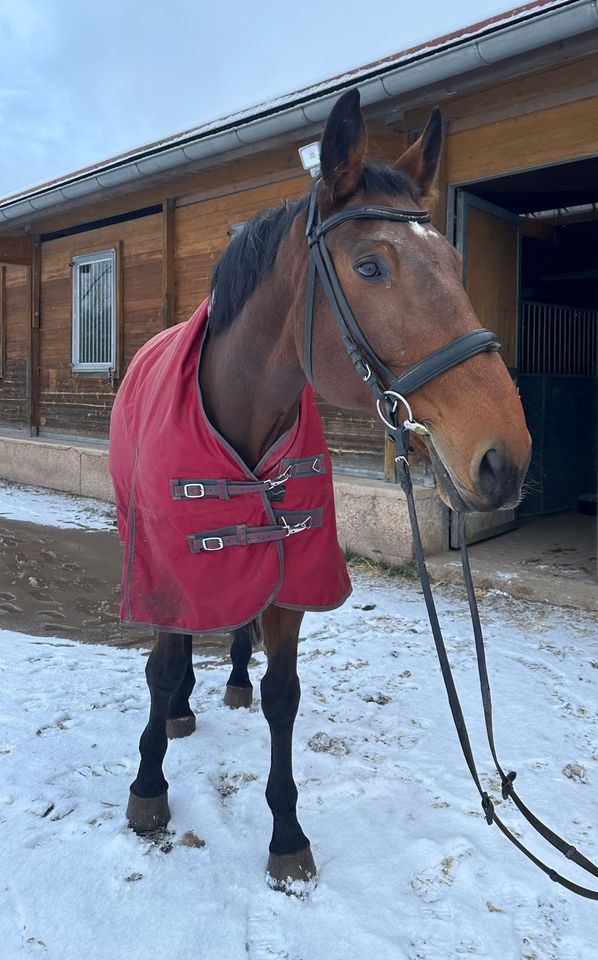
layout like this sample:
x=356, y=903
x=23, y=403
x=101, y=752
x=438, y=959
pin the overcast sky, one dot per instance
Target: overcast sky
x=82, y=80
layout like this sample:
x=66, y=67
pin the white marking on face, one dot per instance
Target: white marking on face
x=423, y=229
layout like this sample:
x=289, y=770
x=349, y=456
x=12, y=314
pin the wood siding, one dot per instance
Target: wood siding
x=80, y=404
x=201, y=234
x=541, y=138
x=15, y=335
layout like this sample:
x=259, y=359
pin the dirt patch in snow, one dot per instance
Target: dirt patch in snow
x=66, y=582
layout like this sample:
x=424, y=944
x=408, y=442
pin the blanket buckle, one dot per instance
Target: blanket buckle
x=188, y=487
x=215, y=543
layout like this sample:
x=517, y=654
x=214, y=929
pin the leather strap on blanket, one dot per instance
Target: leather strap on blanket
x=191, y=488
x=288, y=523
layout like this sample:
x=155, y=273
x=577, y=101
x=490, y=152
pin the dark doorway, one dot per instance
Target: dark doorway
x=556, y=360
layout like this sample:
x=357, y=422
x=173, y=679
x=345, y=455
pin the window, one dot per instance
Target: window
x=94, y=312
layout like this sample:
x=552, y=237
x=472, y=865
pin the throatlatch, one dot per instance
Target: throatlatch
x=390, y=393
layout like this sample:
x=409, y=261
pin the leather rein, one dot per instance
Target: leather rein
x=390, y=393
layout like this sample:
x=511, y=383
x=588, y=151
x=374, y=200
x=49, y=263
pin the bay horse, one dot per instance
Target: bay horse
x=402, y=279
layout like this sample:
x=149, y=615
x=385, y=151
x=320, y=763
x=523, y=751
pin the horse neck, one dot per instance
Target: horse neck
x=251, y=377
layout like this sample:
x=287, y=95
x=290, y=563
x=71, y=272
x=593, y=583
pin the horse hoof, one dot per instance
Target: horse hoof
x=235, y=697
x=285, y=869
x=180, y=727
x=146, y=814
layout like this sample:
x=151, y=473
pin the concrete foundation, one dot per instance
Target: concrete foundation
x=82, y=470
x=372, y=519
x=371, y=515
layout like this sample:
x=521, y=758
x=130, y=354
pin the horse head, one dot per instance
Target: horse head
x=403, y=283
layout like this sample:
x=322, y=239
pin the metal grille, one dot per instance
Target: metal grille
x=558, y=340
x=94, y=311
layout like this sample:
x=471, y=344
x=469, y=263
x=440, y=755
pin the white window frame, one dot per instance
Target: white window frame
x=77, y=262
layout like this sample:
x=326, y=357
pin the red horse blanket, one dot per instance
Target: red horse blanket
x=208, y=542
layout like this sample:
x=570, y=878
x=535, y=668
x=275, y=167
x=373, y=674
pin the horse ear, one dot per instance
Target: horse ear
x=421, y=160
x=343, y=147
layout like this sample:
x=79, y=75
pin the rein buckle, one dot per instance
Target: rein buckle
x=507, y=784
x=488, y=808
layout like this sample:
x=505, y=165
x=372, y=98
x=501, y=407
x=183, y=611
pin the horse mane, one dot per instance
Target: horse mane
x=250, y=255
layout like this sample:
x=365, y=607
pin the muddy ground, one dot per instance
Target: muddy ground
x=66, y=583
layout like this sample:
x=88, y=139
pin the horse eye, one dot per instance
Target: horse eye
x=370, y=270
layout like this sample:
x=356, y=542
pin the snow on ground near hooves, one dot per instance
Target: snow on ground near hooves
x=53, y=509
x=407, y=866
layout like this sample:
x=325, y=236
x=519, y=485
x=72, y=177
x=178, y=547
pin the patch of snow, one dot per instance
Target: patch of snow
x=408, y=868
x=50, y=508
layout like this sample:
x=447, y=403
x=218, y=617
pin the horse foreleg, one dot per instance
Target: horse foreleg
x=148, y=799
x=181, y=719
x=239, y=690
x=290, y=854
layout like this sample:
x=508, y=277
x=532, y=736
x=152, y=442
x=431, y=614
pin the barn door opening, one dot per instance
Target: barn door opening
x=488, y=239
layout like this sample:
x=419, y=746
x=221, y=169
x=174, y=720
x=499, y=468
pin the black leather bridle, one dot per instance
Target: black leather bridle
x=390, y=392
x=381, y=381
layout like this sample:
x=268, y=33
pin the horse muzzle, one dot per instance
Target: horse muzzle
x=496, y=484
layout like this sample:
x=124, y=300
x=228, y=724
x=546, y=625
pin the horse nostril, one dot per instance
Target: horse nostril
x=493, y=474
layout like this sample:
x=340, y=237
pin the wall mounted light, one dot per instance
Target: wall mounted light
x=310, y=158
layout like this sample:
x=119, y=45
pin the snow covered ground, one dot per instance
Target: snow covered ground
x=53, y=509
x=407, y=866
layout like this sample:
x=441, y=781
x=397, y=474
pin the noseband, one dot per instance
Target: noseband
x=390, y=390
x=387, y=388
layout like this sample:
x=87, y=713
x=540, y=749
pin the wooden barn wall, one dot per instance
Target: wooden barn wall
x=536, y=139
x=79, y=404
x=201, y=234
x=547, y=117
x=14, y=320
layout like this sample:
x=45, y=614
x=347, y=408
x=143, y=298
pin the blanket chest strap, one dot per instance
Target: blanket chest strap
x=200, y=489
x=288, y=522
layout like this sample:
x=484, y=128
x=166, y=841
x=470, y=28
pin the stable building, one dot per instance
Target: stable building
x=95, y=263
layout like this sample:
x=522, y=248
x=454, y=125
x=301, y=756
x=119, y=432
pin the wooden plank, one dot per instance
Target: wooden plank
x=227, y=190
x=492, y=276
x=2, y=321
x=355, y=440
x=201, y=234
x=34, y=343
x=561, y=133
x=16, y=249
x=520, y=107
x=490, y=101
x=168, y=269
x=17, y=321
x=119, y=366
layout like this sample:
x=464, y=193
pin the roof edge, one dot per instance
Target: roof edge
x=514, y=32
